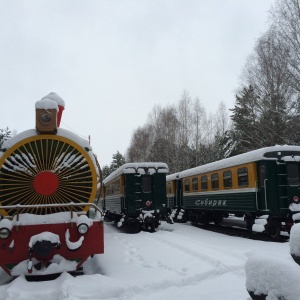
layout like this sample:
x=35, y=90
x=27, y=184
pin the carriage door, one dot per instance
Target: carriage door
x=293, y=187
x=133, y=201
x=282, y=180
x=262, y=186
x=147, y=192
x=178, y=193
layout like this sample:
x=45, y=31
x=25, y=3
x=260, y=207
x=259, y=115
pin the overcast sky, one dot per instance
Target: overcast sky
x=113, y=60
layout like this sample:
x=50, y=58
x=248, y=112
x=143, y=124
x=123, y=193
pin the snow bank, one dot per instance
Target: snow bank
x=295, y=242
x=273, y=276
x=58, y=265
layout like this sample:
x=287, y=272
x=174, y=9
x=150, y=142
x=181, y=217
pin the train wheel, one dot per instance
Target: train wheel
x=275, y=232
x=273, y=228
x=257, y=297
x=207, y=218
x=135, y=226
x=218, y=220
x=153, y=227
x=249, y=224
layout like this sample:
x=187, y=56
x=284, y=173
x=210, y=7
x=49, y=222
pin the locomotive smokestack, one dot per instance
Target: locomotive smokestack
x=60, y=102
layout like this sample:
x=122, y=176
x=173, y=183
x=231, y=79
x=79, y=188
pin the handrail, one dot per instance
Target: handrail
x=71, y=205
x=256, y=191
x=265, y=187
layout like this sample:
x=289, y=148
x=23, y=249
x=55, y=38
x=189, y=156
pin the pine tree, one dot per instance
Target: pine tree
x=118, y=161
x=246, y=135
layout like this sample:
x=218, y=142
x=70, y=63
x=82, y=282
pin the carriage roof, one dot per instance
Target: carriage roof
x=138, y=167
x=287, y=153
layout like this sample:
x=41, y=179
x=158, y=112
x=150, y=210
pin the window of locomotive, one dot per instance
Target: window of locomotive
x=146, y=184
x=204, y=185
x=215, y=181
x=292, y=174
x=187, y=185
x=242, y=177
x=195, y=184
x=227, y=179
x=262, y=172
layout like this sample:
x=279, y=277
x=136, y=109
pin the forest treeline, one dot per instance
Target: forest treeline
x=266, y=110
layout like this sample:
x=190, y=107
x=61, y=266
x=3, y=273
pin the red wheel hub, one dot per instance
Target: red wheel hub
x=45, y=183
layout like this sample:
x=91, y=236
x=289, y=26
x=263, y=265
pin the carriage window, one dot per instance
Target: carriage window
x=204, y=183
x=293, y=174
x=195, y=184
x=169, y=187
x=215, y=181
x=227, y=179
x=115, y=188
x=146, y=184
x=262, y=175
x=187, y=185
x=242, y=177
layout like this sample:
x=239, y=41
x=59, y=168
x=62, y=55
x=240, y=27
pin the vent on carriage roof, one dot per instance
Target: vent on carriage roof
x=279, y=154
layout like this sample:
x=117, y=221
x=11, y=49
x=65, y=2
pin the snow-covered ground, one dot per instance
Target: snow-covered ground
x=177, y=262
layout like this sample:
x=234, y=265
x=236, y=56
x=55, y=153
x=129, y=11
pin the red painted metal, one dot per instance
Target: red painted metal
x=46, y=183
x=93, y=243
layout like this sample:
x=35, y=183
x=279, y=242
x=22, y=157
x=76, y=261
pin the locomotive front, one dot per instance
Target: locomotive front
x=48, y=182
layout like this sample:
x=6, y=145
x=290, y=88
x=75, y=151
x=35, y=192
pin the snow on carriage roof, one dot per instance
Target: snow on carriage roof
x=130, y=168
x=240, y=159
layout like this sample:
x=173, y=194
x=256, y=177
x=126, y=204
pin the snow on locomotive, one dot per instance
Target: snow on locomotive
x=48, y=182
x=262, y=186
x=134, y=196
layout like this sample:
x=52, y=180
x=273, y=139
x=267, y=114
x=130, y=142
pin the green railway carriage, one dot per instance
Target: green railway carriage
x=264, y=182
x=134, y=196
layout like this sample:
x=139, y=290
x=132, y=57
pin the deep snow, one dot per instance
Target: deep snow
x=177, y=262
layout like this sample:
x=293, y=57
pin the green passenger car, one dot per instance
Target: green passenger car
x=262, y=186
x=134, y=196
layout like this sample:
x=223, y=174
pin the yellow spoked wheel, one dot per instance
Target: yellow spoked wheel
x=46, y=169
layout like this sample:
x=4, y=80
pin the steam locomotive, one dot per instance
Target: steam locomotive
x=48, y=181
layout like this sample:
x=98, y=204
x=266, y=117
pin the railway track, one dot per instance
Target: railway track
x=238, y=229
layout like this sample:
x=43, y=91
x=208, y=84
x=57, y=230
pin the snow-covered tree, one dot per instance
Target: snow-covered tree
x=5, y=134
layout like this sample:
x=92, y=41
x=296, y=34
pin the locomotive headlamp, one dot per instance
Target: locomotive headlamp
x=4, y=233
x=83, y=224
x=83, y=228
x=46, y=117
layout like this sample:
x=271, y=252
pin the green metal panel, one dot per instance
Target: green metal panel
x=132, y=201
x=229, y=202
x=138, y=196
x=159, y=190
x=113, y=203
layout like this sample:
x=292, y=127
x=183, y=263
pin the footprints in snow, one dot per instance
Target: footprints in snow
x=133, y=257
